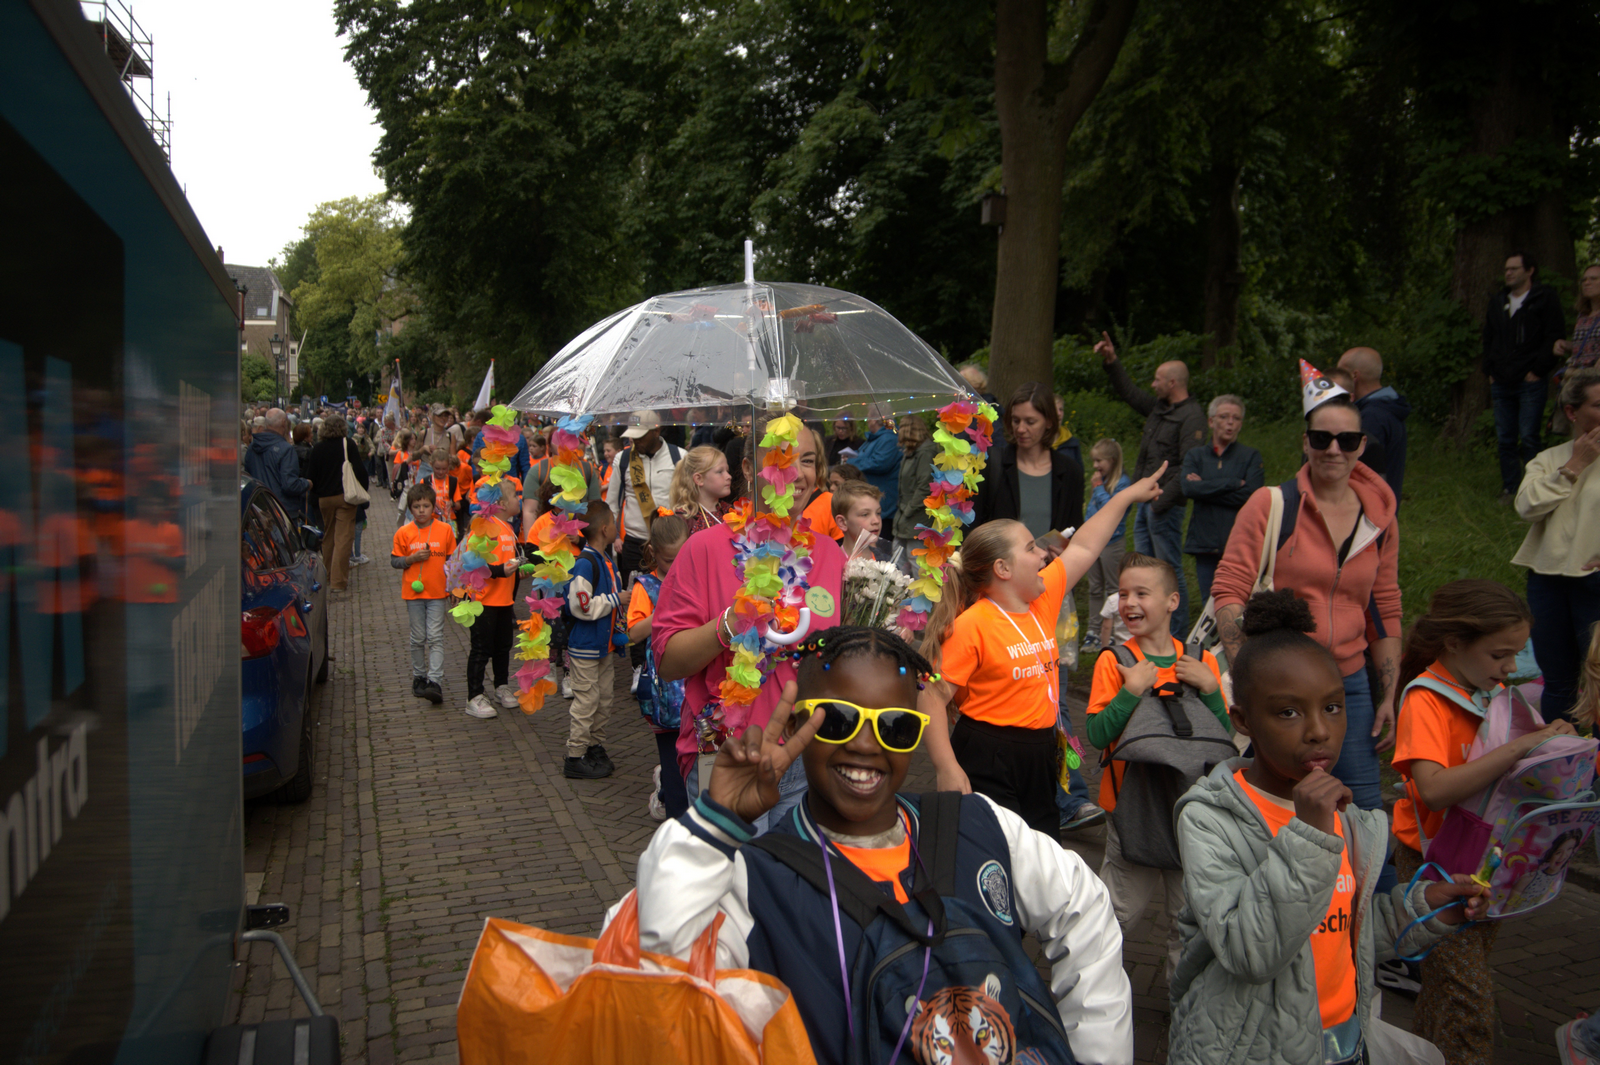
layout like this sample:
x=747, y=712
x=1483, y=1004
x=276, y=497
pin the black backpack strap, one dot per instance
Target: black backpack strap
x=859, y=897
x=1291, y=510
x=939, y=819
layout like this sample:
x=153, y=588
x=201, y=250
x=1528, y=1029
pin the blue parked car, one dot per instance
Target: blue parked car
x=283, y=645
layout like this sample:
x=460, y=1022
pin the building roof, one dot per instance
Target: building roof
x=261, y=282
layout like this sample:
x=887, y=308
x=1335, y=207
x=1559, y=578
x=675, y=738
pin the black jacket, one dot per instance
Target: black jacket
x=1226, y=482
x=1000, y=497
x=326, y=467
x=1170, y=430
x=1515, y=345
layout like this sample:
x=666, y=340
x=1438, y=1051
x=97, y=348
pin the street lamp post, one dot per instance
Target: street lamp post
x=276, y=343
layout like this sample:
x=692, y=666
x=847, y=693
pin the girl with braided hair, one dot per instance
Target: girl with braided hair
x=849, y=720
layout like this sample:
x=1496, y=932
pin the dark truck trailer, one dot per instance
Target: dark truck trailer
x=122, y=907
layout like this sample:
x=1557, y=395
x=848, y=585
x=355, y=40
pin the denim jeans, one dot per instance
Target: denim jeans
x=1518, y=412
x=427, y=637
x=1069, y=800
x=1565, y=610
x=1205, y=570
x=791, y=789
x=355, y=546
x=1161, y=536
x=1358, y=761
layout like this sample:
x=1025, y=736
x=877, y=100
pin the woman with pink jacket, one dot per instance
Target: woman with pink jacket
x=1342, y=556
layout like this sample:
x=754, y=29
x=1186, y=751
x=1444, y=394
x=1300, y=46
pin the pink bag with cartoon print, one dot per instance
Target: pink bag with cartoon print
x=1522, y=830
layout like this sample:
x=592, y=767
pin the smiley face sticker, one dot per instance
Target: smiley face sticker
x=820, y=600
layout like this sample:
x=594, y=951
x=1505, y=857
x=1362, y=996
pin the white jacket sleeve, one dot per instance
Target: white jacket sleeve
x=581, y=599
x=1061, y=901
x=689, y=873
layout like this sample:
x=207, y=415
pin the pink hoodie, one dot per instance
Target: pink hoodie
x=1353, y=605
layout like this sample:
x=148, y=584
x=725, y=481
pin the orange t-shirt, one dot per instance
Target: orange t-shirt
x=1430, y=728
x=821, y=514
x=884, y=864
x=1107, y=682
x=408, y=540
x=1004, y=665
x=441, y=494
x=639, y=605
x=146, y=580
x=1331, y=956
x=499, y=590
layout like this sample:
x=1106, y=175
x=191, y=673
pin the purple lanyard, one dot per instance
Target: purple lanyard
x=844, y=965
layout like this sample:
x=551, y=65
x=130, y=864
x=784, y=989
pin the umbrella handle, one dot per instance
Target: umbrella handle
x=788, y=639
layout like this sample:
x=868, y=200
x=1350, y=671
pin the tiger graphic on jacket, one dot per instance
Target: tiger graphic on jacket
x=963, y=1026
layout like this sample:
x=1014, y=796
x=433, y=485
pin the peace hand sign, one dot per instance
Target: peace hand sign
x=745, y=776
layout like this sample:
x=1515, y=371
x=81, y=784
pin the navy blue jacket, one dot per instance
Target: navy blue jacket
x=1226, y=482
x=274, y=462
x=1383, y=419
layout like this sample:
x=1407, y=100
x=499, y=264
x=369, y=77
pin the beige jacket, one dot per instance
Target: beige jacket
x=1564, y=516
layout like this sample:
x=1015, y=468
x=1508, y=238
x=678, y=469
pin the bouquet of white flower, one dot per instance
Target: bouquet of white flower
x=872, y=592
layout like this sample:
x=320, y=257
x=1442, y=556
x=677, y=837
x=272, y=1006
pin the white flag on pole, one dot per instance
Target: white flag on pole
x=484, y=393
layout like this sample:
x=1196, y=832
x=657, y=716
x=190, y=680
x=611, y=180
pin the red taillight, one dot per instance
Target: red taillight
x=257, y=757
x=258, y=632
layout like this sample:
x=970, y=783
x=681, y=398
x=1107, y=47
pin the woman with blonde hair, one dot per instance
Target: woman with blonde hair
x=700, y=486
x=992, y=636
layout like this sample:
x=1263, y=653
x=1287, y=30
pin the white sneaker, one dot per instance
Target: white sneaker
x=360, y=560
x=566, y=684
x=478, y=706
x=507, y=696
x=658, y=809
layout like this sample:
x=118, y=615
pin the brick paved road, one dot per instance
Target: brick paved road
x=424, y=822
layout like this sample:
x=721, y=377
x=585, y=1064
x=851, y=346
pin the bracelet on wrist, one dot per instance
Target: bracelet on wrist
x=722, y=620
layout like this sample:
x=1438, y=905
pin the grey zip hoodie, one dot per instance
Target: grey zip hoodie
x=1245, y=990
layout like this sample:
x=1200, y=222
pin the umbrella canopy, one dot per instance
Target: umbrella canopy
x=711, y=354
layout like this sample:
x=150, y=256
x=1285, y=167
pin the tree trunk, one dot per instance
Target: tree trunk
x=1224, y=277
x=1516, y=106
x=1038, y=103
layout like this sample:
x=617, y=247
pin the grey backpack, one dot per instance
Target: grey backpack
x=1171, y=740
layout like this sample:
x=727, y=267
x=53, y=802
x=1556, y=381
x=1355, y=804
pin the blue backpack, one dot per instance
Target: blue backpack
x=935, y=974
x=661, y=702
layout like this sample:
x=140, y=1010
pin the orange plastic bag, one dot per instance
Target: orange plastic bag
x=540, y=998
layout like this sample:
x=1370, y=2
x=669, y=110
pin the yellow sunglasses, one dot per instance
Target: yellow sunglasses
x=897, y=729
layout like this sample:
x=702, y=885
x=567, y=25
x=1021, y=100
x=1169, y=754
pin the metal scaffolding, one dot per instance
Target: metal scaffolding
x=132, y=53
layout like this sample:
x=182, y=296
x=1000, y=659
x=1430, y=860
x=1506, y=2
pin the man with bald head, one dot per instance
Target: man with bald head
x=1173, y=423
x=273, y=461
x=1383, y=413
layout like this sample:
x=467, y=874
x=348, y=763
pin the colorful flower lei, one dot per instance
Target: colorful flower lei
x=964, y=433
x=772, y=551
x=467, y=572
x=552, y=535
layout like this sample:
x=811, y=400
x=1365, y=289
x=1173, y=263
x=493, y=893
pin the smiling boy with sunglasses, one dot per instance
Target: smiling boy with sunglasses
x=895, y=920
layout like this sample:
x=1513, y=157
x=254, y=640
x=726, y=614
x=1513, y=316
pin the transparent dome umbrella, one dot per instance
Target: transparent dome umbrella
x=713, y=354
x=756, y=350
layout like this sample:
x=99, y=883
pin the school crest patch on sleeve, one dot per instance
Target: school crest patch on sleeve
x=996, y=890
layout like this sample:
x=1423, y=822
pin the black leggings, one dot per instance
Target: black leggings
x=491, y=638
x=674, y=795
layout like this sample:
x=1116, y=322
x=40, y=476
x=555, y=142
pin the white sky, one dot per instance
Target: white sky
x=267, y=118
